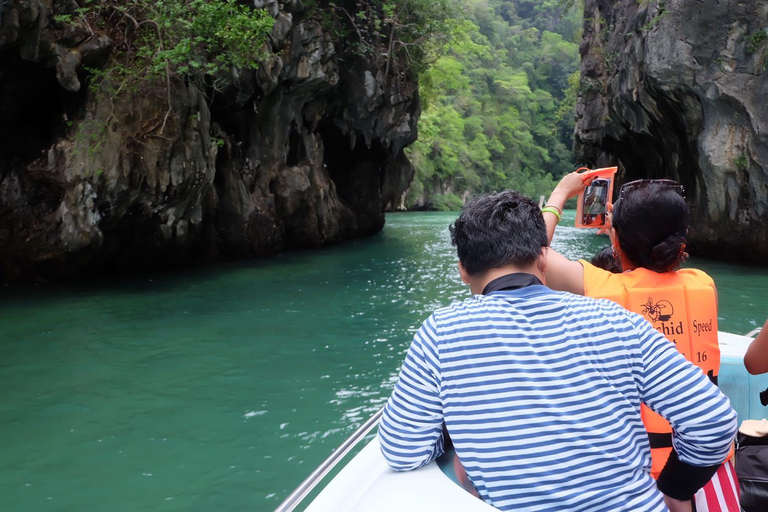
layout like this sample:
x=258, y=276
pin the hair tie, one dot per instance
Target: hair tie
x=682, y=256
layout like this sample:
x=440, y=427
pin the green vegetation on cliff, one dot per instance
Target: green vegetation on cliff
x=165, y=40
x=498, y=77
x=404, y=35
x=498, y=104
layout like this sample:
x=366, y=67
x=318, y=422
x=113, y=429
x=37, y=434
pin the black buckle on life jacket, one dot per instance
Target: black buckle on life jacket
x=658, y=440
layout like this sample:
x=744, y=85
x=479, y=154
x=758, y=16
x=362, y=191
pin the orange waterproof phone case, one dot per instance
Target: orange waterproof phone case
x=591, y=209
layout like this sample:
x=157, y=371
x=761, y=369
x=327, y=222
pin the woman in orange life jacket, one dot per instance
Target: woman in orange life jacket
x=650, y=221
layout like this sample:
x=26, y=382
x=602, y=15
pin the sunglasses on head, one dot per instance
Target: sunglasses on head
x=641, y=184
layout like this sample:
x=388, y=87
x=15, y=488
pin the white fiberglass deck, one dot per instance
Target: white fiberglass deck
x=367, y=484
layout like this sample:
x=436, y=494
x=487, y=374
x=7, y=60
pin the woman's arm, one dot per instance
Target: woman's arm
x=570, y=186
x=756, y=358
x=561, y=273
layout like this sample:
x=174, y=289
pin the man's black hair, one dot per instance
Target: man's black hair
x=498, y=229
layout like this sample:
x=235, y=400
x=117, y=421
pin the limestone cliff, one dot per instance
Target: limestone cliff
x=303, y=152
x=678, y=89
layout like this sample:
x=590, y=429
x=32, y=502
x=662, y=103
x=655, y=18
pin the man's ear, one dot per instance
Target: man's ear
x=464, y=274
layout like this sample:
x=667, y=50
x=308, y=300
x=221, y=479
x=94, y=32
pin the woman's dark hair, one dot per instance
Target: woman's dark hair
x=498, y=229
x=606, y=260
x=651, y=222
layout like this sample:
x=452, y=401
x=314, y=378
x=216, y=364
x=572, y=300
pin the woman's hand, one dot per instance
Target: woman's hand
x=568, y=187
x=571, y=185
x=606, y=229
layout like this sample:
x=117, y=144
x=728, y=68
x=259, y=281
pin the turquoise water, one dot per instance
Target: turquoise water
x=221, y=389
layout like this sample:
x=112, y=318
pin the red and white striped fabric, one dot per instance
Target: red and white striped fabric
x=721, y=494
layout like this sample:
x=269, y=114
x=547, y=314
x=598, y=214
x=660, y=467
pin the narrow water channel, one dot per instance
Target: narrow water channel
x=221, y=389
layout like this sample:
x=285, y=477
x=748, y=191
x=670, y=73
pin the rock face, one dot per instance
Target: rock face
x=304, y=152
x=678, y=89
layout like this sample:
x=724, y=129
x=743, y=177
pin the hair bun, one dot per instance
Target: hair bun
x=668, y=254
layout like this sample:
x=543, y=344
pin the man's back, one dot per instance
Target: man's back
x=540, y=392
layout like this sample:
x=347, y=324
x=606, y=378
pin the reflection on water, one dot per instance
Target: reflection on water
x=222, y=389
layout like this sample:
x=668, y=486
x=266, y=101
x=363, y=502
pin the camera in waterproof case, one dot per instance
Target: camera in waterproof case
x=592, y=203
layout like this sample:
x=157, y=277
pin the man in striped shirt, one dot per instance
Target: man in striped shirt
x=540, y=390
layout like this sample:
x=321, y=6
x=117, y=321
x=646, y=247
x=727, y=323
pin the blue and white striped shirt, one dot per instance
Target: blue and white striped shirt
x=541, y=392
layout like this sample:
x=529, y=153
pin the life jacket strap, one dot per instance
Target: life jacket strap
x=660, y=440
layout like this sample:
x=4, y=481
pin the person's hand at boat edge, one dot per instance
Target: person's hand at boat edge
x=756, y=357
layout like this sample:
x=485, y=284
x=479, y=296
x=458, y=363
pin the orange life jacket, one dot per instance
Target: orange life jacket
x=681, y=305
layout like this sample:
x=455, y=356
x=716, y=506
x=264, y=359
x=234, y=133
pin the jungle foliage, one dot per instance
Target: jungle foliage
x=499, y=103
x=163, y=41
x=403, y=37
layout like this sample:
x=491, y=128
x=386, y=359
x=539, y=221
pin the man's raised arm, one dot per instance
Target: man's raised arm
x=410, y=432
